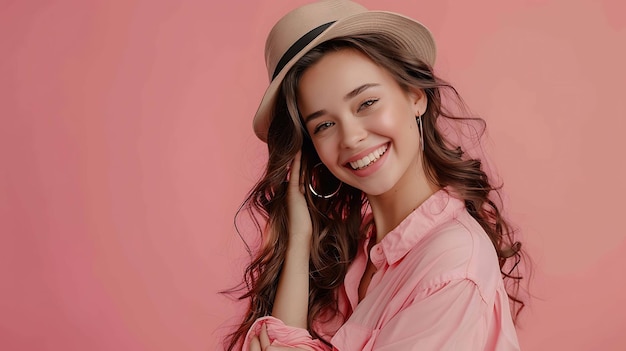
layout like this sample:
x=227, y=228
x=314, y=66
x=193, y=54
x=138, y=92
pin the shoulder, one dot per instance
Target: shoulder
x=455, y=250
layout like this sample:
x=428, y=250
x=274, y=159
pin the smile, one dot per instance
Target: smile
x=369, y=159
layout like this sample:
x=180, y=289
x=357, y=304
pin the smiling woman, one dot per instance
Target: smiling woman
x=410, y=250
x=373, y=122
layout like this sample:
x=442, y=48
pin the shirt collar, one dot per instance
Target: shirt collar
x=437, y=209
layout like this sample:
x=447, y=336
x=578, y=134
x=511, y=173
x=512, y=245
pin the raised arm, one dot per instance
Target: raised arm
x=286, y=329
x=292, y=296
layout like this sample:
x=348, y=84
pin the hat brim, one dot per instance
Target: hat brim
x=408, y=32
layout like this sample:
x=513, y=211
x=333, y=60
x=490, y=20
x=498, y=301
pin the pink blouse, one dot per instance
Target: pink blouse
x=437, y=286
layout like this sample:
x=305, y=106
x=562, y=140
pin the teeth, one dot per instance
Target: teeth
x=369, y=159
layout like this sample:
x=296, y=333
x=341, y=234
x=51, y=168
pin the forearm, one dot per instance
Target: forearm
x=291, y=303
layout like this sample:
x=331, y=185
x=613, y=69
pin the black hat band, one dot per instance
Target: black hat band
x=296, y=47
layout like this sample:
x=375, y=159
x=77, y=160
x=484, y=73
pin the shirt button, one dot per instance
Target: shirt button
x=377, y=257
x=377, y=254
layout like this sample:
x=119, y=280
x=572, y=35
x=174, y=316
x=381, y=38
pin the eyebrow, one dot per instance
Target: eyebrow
x=348, y=96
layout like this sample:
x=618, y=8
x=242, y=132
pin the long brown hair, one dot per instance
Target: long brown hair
x=338, y=222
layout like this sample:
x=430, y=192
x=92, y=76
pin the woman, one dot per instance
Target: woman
x=380, y=234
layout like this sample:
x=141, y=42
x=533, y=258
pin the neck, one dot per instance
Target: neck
x=392, y=207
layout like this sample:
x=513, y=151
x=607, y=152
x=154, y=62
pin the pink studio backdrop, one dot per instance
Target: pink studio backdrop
x=126, y=147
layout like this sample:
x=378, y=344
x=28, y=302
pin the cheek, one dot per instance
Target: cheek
x=325, y=152
x=394, y=121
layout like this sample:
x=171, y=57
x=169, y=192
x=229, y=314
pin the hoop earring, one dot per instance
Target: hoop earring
x=317, y=181
x=420, y=125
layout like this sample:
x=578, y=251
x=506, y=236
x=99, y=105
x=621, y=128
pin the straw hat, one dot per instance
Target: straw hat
x=306, y=27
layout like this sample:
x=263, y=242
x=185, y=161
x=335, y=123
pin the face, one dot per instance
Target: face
x=362, y=123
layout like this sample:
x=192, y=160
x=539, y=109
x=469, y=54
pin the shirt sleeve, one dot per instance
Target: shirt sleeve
x=284, y=335
x=447, y=316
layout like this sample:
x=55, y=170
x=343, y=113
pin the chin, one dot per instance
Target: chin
x=376, y=191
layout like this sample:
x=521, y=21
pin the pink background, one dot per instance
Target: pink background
x=126, y=146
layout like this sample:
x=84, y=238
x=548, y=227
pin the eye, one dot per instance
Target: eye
x=322, y=126
x=367, y=104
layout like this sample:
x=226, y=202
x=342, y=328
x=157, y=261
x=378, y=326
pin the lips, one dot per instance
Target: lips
x=368, y=159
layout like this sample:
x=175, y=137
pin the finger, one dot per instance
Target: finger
x=264, y=338
x=255, y=345
x=294, y=172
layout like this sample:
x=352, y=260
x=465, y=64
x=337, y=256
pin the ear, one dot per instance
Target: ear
x=418, y=100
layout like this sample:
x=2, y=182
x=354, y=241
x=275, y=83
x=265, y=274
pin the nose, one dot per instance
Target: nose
x=352, y=132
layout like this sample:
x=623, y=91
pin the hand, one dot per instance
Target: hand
x=300, y=227
x=262, y=343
